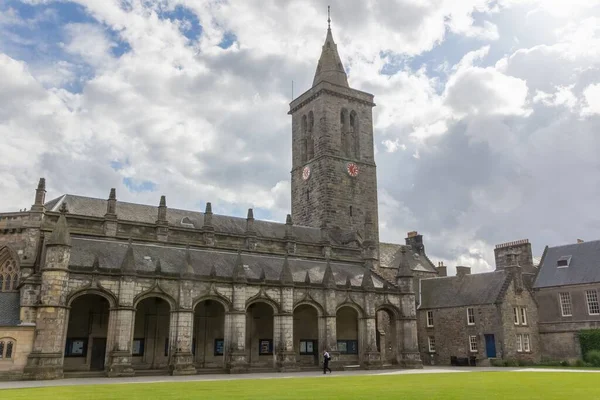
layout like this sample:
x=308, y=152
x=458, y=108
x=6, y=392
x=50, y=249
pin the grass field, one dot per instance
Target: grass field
x=471, y=385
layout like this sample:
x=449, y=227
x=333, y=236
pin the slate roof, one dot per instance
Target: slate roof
x=468, y=290
x=88, y=206
x=9, y=309
x=584, y=266
x=110, y=255
x=389, y=257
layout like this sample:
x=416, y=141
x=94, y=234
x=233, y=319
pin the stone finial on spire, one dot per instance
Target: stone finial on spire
x=328, y=278
x=367, y=281
x=111, y=205
x=286, y=277
x=208, y=217
x=40, y=192
x=162, y=211
x=239, y=274
x=330, y=68
x=188, y=270
x=404, y=270
x=128, y=263
x=60, y=235
x=250, y=221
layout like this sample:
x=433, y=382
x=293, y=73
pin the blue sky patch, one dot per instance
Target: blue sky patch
x=228, y=39
x=189, y=23
x=139, y=186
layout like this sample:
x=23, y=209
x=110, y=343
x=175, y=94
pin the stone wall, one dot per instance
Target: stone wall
x=523, y=299
x=23, y=339
x=451, y=333
x=558, y=334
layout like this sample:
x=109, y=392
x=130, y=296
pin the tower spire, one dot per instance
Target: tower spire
x=330, y=68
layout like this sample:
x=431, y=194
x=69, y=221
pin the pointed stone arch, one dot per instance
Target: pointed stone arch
x=387, y=323
x=10, y=272
x=218, y=298
x=111, y=298
x=155, y=291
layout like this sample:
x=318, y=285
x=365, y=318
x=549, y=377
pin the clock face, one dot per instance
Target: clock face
x=352, y=169
x=306, y=173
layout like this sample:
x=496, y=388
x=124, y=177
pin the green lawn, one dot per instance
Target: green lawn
x=468, y=385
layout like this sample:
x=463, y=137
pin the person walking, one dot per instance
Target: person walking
x=326, y=358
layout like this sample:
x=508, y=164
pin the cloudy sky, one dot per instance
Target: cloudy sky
x=487, y=125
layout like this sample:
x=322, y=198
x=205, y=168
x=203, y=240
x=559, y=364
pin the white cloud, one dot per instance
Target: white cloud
x=468, y=153
x=475, y=91
x=592, y=99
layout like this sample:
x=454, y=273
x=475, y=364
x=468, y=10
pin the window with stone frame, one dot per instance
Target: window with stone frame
x=431, y=340
x=7, y=348
x=516, y=315
x=523, y=316
x=473, y=344
x=526, y=346
x=470, y=316
x=9, y=271
x=592, y=302
x=565, y=304
x=430, y=319
x=519, y=343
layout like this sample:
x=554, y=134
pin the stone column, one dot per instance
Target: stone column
x=120, y=336
x=235, y=332
x=371, y=359
x=284, y=340
x=46, y=358
x=327, y=330
x=119, y=342
x=410, y=357
x=182, y=360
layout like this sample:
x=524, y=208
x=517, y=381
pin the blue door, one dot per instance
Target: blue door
x=490, y=346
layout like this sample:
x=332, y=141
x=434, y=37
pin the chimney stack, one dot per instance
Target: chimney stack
x=441, y=269
x=462, y=271
x=520, y=248
x=415, y=241
x=513, y=268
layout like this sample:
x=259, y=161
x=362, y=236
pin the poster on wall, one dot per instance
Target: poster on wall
x=138, y=347
x=309, y=347
x=77, y=348
x=219, y=345
x=265, y=346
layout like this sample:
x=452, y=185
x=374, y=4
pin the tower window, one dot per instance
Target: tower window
x=307, y=195
x=350, y=210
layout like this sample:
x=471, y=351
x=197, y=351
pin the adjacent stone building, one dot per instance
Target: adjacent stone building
x=567, y=290
x=93, y=284
x=472, y=319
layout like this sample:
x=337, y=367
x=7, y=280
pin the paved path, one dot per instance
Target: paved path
x=276, y=375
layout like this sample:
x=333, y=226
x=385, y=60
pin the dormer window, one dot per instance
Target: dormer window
x=563, y=262
x=187, y=222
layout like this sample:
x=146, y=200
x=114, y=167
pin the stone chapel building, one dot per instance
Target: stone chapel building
x=91, y=284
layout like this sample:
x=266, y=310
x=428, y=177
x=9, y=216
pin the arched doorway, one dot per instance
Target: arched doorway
x=387, y=338
x=306, y=335
x=150, y=347
x=85, y=344
x=259, y=334
x=208, y=343
x=347, y=335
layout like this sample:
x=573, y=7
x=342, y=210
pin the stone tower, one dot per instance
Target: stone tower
x=334, y=179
